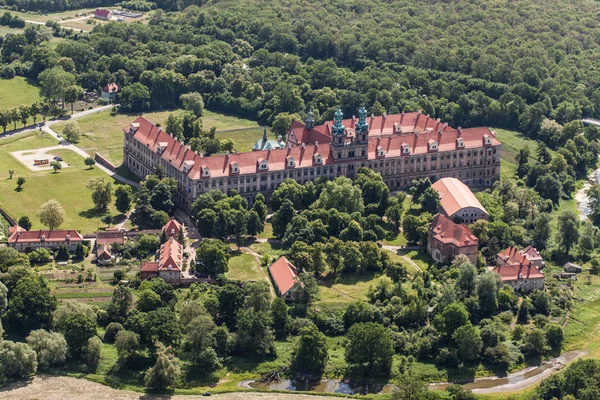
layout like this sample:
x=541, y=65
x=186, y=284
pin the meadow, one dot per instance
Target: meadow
x=18, y=91
x=67, y=186
x=103, y=132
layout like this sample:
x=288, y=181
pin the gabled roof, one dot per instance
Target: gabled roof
x=447, y=231
x=284, y=274
x=15, y=228
x=513, y=255
x=172, y=225
x=104, y=252
x=56, y=236
x=171, y=256
x=455, y=195
x=531, y=253
x=110, y=237
x=100, y=12
x=522, y=270
x=269, y=144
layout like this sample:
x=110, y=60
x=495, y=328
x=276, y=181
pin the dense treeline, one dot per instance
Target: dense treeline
x=54, y=5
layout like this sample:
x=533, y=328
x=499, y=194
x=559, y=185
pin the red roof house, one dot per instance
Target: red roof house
x=104, y=14
x=168, y=265
x=458, y=201
x=172, y=228
x=285, y=276
x=109, y=91
x=522, y=276
x=29, y=240
x=512, y=255
x=110, y=238
x=104, y=256
x=447, y=239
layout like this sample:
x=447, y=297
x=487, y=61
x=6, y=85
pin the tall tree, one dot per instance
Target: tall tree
x=51, y=214
x=568, y=230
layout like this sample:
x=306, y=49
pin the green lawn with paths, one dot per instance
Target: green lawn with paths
x=67, y=186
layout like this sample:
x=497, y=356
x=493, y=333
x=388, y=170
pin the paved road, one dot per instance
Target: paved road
x=591, y=121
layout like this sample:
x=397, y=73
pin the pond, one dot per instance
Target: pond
x=325, y=386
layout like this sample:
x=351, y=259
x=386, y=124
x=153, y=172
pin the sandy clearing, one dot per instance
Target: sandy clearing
x=59, y=387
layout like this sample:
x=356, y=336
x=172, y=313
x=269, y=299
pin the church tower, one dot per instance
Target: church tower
x=347, y=144
x=310, y=120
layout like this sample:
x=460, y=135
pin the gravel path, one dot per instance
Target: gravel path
x=60, y=387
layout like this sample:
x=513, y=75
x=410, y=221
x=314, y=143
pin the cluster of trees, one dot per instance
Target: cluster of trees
x=581, y=380
x=222, y=216
x=154, y=201
x=290, y=69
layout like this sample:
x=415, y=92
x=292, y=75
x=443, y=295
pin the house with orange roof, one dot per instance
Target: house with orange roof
x=104, y=255
x=168, y=264
x=285, y=277
x=447, y=239
x=109, y=91
x=401, y=147
x=512, y=255
x=173, y=228
x=50, y=239
x=522, y=276
x=458, y=202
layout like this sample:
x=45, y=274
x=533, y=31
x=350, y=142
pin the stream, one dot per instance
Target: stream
x=583, y=204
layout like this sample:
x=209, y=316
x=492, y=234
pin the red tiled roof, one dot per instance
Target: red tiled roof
x=110, y=88
x=522, y=270
x=284, y=275
x=104, y=252
x=455, y=195
x=110, y=237
x=446, y=231
x=149, y=266
x=513, y=255
x=58, y=236
x=102, y=13
x=172, y=226
x=15, y=228
x=171, y=256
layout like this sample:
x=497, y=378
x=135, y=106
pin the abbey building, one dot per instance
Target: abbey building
x=401, y=147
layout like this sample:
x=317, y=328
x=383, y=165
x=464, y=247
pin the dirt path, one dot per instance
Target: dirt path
x=59, y=388
x=258, y=257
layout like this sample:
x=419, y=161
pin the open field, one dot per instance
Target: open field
x=346, y=289
x=511, y=143
x=244, y=139
x=67, y=186
x=17, y=91
x=244, y=267
x=6, y=29
x=59, y=16
x=103, y=132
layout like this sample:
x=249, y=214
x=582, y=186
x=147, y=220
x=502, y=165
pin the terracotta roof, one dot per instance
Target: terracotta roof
x=531, y=253
x=455, y=195
x=102, y=13
x=110, y=237
x=513, y=255
x=104, y=252
x=172, y=225
x=15, y=228
x=58, y=236
x=149, y=266
x=447, y=231
x=171, y=256
x=522, y=270
x=284, y=274
x=110, y=88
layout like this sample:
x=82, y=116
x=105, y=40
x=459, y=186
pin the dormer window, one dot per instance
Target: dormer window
x=405, y=148
x=318, y=158
x=133, y=127
x=162, y=146
x=380, y=151
x=460, y=142
x=235, y=169
x=291, y=162
x=397, y=128
x=263, y=164
x=433, y=145
x=187, y=165
x=206, y=172
x=487, y=139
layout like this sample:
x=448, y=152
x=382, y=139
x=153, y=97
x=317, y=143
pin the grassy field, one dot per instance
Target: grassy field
x=243, y=139
x=68, y=186
x=17, y=91
x=52, y=16
x=244, y=267
x=511, y=143
x=345, y=289
x=103, y=133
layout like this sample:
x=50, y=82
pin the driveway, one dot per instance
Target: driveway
x=27, y=158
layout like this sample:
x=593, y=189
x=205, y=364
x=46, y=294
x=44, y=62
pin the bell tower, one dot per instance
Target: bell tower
x=362, y=127
x=310, y=120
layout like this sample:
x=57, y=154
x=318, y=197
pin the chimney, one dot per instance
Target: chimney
x=385, y=115
x=201, y=154
x=459, y=130
x=317, y=144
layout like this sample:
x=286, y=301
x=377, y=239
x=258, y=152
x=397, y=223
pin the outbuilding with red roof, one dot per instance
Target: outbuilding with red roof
x=522, y=276
x=30, y=240
x=285, y=276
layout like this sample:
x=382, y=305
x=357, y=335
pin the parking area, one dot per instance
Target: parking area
x=39, y=159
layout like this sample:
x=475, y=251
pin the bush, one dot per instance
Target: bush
x=50, y=348
x=39, y=256
x=18, y=360
x=111, y=332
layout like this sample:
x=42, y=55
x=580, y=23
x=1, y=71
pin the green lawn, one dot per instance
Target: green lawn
x=244, y=139
x=103, y=133
x=244, y=267
x=30, y=16
x=345, y=289
x=67, y=186
x=17, y=91
x=5, y=29
x=511, y=143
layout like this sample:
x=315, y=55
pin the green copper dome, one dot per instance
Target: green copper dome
x=338, y=127
x=362, y=126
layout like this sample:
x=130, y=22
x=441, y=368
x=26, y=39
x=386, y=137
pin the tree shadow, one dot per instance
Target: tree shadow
x=18, y=189
x=92, y=213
